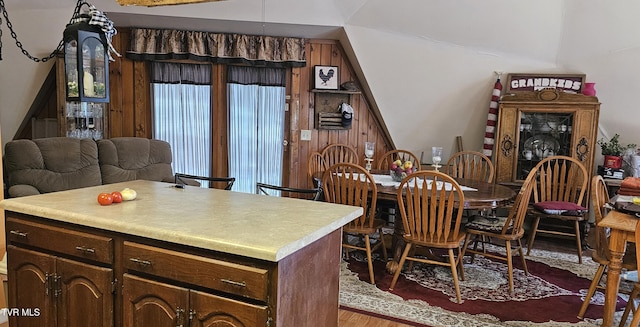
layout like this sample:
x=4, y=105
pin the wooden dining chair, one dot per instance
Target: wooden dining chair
x=559, y=194
x=504, y=229
x=337, y=153
x=470, y=165
x=388, y=208
x=601, y=254
x=403, y=155
x=291, y=192
x=225, y=183
x=315, y=166
x=350, y=184
x=431, y=206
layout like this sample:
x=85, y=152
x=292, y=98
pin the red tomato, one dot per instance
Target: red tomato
x=105, y=199
x=117, y=197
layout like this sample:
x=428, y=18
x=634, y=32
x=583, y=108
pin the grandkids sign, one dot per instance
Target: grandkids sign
x=570, y=83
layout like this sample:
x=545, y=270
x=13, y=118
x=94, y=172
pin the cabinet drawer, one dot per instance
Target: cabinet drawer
x=215, y=274
x=60, y=240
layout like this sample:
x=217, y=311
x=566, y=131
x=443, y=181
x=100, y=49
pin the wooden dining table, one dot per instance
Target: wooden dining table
x=623, y=227
x=485, y=196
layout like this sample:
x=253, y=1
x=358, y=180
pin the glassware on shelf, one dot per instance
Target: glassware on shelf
x=436, y=156
x=84, y=120
x=369, y=150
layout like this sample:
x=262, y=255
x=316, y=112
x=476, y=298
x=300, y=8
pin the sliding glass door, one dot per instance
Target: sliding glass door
x=256, y=103
x=181, y=108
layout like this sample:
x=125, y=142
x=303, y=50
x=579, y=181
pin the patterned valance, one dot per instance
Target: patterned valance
x=267, y=51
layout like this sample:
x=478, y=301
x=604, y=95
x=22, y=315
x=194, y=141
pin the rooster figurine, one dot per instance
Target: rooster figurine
x=326, y=77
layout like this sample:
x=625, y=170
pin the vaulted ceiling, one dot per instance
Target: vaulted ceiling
x=429, y=60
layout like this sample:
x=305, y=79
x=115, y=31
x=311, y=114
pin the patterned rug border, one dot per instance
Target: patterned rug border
x=364, y=297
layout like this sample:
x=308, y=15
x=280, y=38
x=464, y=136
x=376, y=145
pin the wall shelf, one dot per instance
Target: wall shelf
x=327, y=103
x=335, y=91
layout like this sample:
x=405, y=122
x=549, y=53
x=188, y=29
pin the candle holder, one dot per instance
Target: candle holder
x=436, y=157
x=369, y=150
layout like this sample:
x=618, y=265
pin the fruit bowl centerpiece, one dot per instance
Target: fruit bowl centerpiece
x=400, y=170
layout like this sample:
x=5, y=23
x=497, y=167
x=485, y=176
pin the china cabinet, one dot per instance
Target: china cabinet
x=535, y=125
x=79, y=119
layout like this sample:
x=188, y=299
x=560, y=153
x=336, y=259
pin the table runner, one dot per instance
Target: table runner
x=386, y=180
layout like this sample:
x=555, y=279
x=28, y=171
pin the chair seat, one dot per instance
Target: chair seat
x=560, y=208
x=485, y=224
x=451, y=243
x=561, y=217
x=377, y=224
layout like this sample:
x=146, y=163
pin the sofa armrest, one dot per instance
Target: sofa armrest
x=22, y=190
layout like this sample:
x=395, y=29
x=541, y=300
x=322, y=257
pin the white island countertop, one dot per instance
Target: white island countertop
x=257, y=226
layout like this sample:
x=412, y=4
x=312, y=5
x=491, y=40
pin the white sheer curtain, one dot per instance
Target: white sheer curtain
x=182, y=117
x=256, y=132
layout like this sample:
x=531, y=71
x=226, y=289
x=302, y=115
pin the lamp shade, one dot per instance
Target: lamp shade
x=86, y=62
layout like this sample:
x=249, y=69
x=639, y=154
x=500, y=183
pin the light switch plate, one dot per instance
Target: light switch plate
x=305, y=135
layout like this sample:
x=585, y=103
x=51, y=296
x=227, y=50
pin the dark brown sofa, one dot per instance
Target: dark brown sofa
x=61, y=163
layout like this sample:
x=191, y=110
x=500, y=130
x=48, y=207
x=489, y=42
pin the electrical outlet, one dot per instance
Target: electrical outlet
x=305, y=135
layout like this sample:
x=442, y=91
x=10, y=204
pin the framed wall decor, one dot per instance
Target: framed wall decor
x=325, y=77
x=519, y=82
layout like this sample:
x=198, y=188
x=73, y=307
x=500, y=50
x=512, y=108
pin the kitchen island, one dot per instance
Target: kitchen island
x=174, y=257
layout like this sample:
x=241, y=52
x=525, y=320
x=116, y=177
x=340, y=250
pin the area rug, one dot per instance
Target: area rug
x=550, y=295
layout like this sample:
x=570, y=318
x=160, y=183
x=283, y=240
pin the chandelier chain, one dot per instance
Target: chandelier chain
x=58, y=49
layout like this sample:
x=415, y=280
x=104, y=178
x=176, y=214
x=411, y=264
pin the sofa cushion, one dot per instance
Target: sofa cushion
x=51, y=165
x=129, y=158
x=22, y=190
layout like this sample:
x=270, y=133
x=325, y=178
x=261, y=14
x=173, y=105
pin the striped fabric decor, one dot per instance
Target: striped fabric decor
x=492, y=118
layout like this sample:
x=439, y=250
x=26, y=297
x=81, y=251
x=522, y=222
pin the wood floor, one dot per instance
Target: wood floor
x=354, y=319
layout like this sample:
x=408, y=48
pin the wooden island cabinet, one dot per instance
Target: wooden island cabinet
x=49, y=279
x=174, y=257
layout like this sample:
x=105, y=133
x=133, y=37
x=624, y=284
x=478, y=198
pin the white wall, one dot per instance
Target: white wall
x=429, y=64
x=602, y=39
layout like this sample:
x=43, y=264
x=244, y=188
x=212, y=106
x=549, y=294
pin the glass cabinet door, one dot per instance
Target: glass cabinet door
x=541, y=135
x=85, y=120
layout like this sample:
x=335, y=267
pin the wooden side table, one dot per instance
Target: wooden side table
x=623, y=227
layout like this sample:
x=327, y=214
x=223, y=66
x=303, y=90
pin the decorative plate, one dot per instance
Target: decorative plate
x=542, y=146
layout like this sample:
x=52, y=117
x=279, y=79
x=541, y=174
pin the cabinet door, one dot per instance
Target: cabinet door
x=542, y=134
x=29, y=290
x=536, y=125
x=79, y=119
x=150, y=303
x=208, y=310
x=86, y=296
x=506, y=146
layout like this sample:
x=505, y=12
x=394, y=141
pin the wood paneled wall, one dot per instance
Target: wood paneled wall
x=130, y=109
